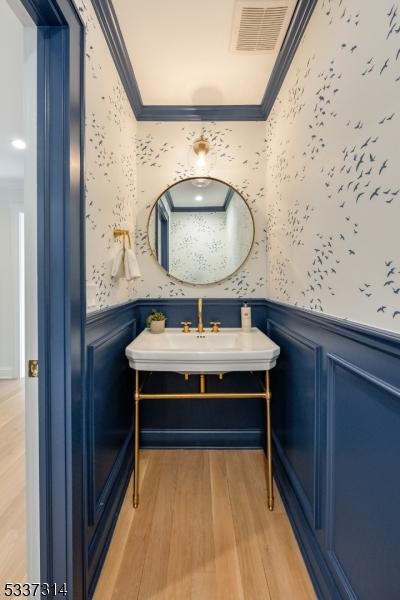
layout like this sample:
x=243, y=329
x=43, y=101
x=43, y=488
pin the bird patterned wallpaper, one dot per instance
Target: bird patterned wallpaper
x=110, y=166
x=333, y=176
x=162, y=158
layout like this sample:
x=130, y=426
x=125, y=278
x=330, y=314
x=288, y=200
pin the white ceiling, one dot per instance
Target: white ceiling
x=184, y=194
x=180, y=53
x=11, y=97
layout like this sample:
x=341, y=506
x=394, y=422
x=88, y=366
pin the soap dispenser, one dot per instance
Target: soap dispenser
x=246, y=317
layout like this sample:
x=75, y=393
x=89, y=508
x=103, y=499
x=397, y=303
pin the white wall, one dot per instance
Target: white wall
x=333, y=179
x=11, y=203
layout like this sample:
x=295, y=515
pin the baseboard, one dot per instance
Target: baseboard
x=321, y=578
x=202, y=438
x=7, y=373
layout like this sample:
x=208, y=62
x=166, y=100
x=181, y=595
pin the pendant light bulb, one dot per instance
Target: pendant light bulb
x=201, y=157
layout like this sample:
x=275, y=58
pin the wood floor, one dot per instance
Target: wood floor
x=12, y=482
x=203, y=532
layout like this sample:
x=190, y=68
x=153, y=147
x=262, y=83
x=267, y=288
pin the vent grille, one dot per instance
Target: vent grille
x=259, y=26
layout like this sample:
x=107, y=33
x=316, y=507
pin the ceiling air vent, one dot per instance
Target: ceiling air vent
x=260, y=25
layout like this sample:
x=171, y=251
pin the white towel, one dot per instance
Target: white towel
x=131, y=265
x=117, y=263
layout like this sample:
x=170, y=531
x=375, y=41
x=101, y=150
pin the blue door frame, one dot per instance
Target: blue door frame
x=61, y=290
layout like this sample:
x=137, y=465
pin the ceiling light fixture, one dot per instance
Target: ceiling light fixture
x=198, y=198
x=201, y=157
x=200, y=182
x=18, y=144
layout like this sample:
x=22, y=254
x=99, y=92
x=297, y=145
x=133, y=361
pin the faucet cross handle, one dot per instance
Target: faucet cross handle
x=215, y=325
x=186, y=326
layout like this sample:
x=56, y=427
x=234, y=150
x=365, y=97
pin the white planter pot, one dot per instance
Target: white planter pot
x=157, y=326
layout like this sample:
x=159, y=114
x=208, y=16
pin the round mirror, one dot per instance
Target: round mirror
x=200, y=230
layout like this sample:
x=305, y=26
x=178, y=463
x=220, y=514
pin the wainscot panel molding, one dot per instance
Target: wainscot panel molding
x=108, y=426
x=251, y=112
x=363, y=433
x=297, y=410
x=350, y=443
x=337, y=382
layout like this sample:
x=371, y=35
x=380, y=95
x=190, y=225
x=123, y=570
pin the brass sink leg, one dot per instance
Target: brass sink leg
x=137, y=449
x=202, y=383
x=270, y=483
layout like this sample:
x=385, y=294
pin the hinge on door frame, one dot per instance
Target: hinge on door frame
x=33, y=368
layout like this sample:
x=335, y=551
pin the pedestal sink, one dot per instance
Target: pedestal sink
x=203, y=353
x=231, y=349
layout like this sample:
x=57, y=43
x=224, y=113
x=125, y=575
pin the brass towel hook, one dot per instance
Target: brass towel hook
x=124, y=233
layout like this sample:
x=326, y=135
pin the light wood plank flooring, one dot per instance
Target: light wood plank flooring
x=203, y=532
x=12, y=482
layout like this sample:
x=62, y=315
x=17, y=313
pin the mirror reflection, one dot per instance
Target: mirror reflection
x=200, y=230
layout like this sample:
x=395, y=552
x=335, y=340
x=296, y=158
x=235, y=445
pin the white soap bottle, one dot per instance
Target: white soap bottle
x=246, y=317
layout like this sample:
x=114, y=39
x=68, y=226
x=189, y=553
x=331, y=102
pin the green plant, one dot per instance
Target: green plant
x=155, y=315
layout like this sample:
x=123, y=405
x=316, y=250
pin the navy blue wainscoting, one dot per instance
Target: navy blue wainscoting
x=336, y=420
x=201, y=423
x=108, y=428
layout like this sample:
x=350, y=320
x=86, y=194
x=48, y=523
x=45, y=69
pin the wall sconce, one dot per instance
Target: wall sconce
x=201, y=157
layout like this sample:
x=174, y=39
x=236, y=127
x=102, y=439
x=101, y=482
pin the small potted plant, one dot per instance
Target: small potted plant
x=156, y=321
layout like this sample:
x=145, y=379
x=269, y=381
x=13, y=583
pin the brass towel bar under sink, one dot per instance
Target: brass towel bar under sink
x=265, y=394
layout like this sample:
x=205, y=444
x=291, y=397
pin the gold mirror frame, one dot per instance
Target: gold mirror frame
x=154, y=255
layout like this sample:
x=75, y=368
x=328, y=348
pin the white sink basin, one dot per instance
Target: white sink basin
x=228, y=350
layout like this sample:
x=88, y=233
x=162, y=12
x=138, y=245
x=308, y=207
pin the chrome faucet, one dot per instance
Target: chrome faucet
x=200, y=326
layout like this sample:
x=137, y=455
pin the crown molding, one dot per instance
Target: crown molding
x=297, y=27
x=107, y=17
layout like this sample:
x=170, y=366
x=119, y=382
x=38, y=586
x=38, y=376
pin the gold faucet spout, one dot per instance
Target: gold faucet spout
x=200, y=326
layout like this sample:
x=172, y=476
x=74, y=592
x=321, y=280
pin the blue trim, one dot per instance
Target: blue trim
x=202, y=438
x=198, y=209
x=162, y=234
x=228, y=198
x=247, y=112
x=168, y=198
x=112, y=32
x=61, y=289
x=321, y=578
x=108, y=420
x=297, y=27
x=358, y=395
x=311, y=509
x=228, y=112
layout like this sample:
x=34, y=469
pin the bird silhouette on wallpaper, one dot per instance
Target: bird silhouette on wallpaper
x=384, y=66
x=375, y=193
x=360, y=162
x=390, y=282
x=396, y=290
x=383, y=166
x=389, y=118
x=396, y=313
x=381, y=309
x=391, y=271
